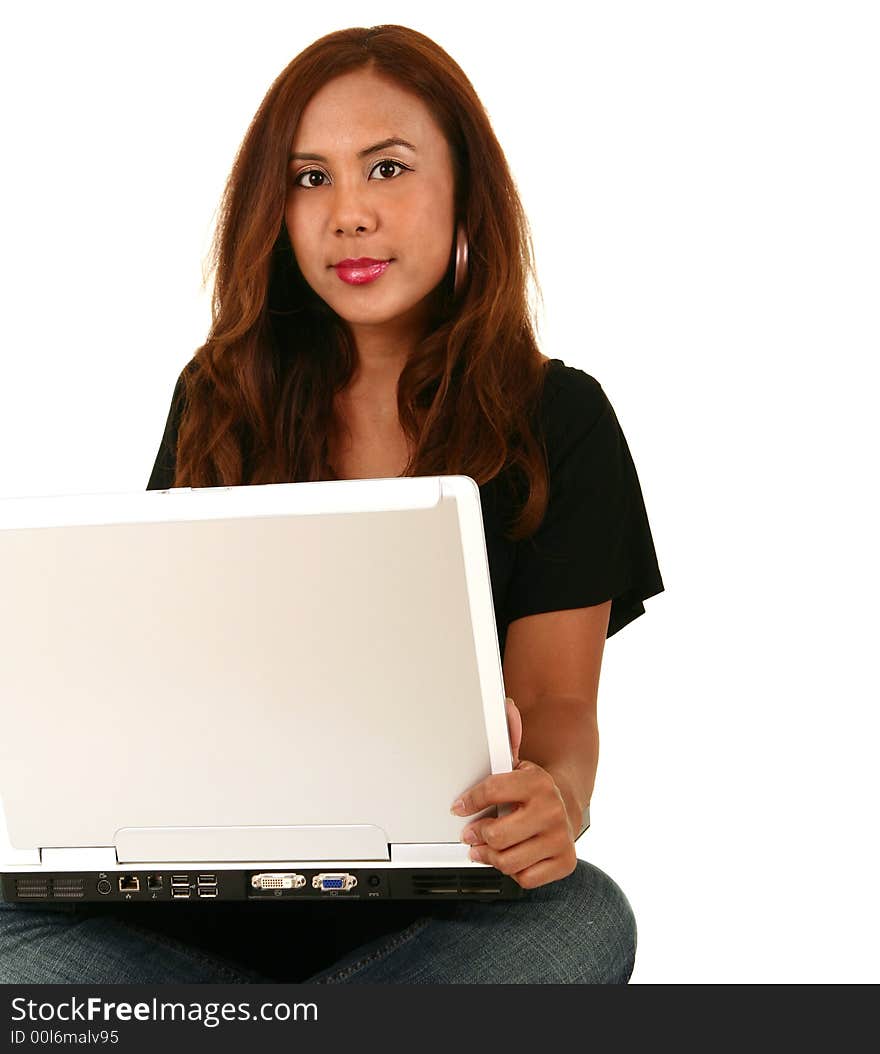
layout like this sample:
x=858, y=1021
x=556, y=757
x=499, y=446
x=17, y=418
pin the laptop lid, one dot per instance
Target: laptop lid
x=278, y=671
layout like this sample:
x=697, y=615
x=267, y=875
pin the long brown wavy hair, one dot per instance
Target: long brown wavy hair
x=257, y=396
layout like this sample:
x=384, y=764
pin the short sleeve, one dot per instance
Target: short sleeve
x=164, y=467
x=595, y=542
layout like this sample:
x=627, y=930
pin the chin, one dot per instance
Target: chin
x=373, y=309
x=369, y=318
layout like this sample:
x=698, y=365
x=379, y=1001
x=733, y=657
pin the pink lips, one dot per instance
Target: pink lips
x=358, y=272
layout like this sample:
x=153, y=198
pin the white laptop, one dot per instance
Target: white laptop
x=240, y=693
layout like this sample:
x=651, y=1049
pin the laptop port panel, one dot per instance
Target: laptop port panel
x=359, y=883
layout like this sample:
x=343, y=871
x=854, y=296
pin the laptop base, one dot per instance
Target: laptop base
x=288, y=883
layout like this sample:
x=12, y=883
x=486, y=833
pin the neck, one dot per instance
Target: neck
x=384, y=349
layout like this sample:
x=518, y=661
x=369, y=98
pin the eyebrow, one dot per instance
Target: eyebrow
x=384, y=144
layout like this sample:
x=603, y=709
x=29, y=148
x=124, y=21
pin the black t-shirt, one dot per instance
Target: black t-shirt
x=594, y=543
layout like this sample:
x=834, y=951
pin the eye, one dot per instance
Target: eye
x=388, y=161
x=297, y=181
x=308, y=172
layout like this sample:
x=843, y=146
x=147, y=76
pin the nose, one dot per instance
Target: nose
x=350, y=211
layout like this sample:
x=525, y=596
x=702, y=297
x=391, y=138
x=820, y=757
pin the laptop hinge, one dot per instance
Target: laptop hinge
x=88, y=859
x=431, y=853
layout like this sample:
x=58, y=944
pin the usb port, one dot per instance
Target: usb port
x=207, y=891
x=180, y=880
x=207, y=880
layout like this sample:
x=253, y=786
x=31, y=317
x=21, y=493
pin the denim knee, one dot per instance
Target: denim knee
x=607, y=920
x=590, y=911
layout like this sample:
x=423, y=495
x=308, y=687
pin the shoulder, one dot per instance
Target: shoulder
x=573, y=403
x=181, y=390
x=568, y=390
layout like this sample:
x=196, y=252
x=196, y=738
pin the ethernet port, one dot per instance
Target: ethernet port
x=129, y=884
x=154, y=883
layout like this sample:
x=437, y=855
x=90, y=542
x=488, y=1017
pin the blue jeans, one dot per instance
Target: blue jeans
x=578, y=930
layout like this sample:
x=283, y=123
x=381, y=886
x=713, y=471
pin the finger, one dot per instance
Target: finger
x=521, y=856
x=534, y=817
x=541, y=865
x=549, y=870
x=501, y=787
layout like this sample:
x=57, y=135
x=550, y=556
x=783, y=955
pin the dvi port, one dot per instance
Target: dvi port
x=278, y=880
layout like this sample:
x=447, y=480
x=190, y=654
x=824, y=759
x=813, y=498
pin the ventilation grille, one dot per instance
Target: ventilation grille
x=36, y=887
x=68, y=887
x=31, y=888
x=471, y=883
x=432, y=884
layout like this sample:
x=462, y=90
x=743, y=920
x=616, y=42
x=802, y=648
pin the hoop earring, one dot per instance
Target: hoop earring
x=461, y=260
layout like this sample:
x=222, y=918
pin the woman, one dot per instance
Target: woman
x=371, y=320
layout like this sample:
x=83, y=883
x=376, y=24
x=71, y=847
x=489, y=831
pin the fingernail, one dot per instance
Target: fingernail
x=457, y=806
x=476, y=855
x=469, y=837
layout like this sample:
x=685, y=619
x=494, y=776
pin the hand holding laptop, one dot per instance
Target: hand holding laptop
x=534, y=843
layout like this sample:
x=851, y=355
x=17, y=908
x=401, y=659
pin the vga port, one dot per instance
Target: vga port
x=330, y=881
x=278, y=880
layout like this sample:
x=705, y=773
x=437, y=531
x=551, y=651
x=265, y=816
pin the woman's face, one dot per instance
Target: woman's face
x=394, y=202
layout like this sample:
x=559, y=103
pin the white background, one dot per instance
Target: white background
x=701, y=179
